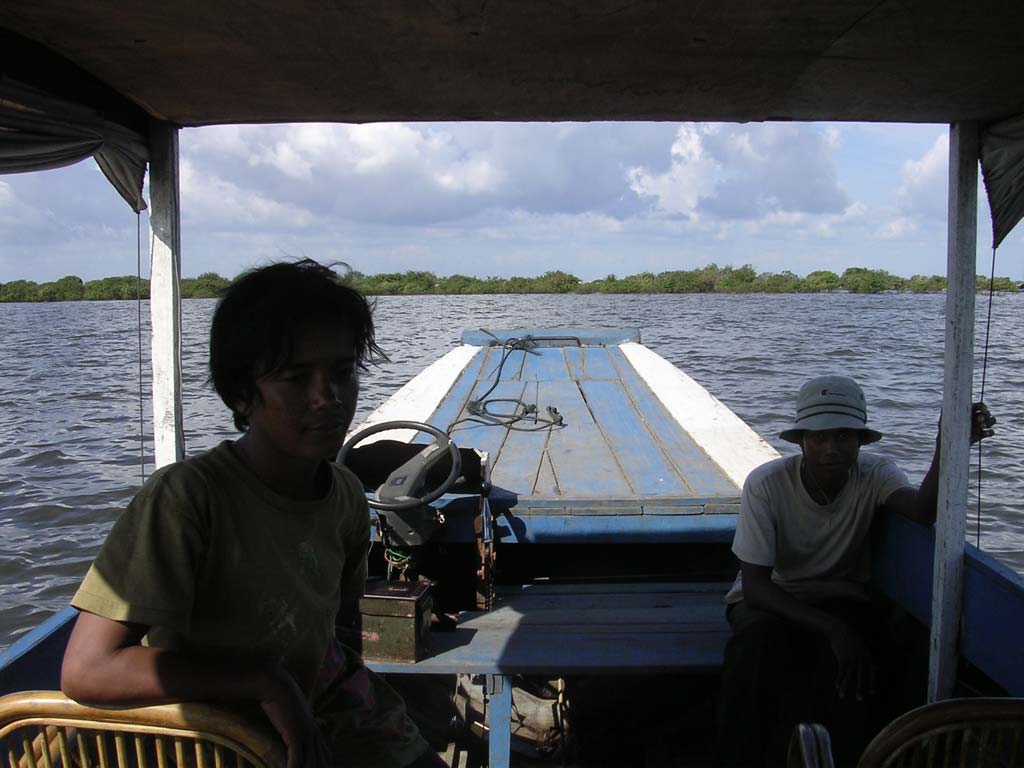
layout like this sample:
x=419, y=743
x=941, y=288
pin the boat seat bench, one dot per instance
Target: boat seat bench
x=566, y=629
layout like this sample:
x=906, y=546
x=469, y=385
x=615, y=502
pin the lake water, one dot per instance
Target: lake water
x=69, y=398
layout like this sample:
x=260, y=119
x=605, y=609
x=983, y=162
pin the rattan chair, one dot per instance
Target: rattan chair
x=810, y=747
x=45, y=729
x=962, y=733
x=982, y=733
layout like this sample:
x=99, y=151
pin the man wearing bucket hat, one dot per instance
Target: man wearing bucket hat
x=806, y=633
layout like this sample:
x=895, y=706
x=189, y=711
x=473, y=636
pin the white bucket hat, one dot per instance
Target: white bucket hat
x=830, y=402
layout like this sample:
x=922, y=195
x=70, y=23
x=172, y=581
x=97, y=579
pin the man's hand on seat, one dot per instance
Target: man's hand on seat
x=855, y=668
x=289, y=712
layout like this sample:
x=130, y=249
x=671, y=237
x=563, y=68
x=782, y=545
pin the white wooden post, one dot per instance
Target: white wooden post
x=165, y=293
x=961, y=266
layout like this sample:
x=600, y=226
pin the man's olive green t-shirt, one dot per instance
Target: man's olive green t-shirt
x=209, y=557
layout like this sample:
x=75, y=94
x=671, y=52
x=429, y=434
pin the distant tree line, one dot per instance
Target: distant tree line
x=72, y=288
x=710, y=279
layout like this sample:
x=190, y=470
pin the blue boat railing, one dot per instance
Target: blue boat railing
x=33, y=661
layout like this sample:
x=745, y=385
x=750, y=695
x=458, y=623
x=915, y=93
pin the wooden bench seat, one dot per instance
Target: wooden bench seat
x=564, y=629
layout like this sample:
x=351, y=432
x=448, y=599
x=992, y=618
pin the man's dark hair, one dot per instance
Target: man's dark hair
x=261, y=312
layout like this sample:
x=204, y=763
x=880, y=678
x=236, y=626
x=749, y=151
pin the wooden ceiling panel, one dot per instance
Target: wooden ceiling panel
x=224, y=61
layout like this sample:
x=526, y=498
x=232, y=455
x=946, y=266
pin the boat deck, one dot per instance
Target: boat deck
x=559, y=630
x=640, y=451
x=618, y=445
x=564, y=629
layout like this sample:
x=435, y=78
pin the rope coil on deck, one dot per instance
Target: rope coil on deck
x=524, y=417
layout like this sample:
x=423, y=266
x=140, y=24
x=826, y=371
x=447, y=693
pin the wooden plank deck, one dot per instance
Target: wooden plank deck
x=584, y=629
x=618, y=443
x=570, y=629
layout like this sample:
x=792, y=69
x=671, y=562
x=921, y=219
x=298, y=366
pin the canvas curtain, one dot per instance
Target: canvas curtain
x=38, y=132
x=1002, y=168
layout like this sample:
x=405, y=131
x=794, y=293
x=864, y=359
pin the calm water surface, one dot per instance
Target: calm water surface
x=69, y=398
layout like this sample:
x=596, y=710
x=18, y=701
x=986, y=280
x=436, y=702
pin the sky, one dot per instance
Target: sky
x=504, y=199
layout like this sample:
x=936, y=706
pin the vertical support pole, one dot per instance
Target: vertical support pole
x=499, y=739
x=961, y=266
x=165, y=293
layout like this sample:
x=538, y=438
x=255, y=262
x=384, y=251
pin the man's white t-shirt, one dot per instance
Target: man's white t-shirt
x=816, y=551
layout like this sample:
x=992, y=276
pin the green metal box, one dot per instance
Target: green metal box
x=395, y=620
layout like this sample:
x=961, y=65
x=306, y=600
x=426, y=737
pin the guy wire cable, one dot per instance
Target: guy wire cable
x=981, y=397
x=138, y=307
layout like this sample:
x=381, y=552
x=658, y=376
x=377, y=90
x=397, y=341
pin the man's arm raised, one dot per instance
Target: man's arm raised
x=920, y=504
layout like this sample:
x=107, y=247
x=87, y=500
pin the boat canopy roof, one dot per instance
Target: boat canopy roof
x=217, y=62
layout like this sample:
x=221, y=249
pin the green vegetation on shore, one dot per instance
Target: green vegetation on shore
x=710, y=279
x=72, y=288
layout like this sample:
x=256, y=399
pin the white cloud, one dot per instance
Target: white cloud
x=830, y=226
x=223, y=141
x=213, y=202
x=412, y=175
x=389, y=172
x=376, y=148
x=285, y=158
x=784, y=218
x=484, y=198
x=22, y=219
x=473, y=177
x=692, y=175
x=832, y=137
x=923, y=182
x=855, y=211
x=747, y=172
x=897, y=228
x=920, y=205
x=804, y=226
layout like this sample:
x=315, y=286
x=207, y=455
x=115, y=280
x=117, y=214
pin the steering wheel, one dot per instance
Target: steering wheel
x=403, y=488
